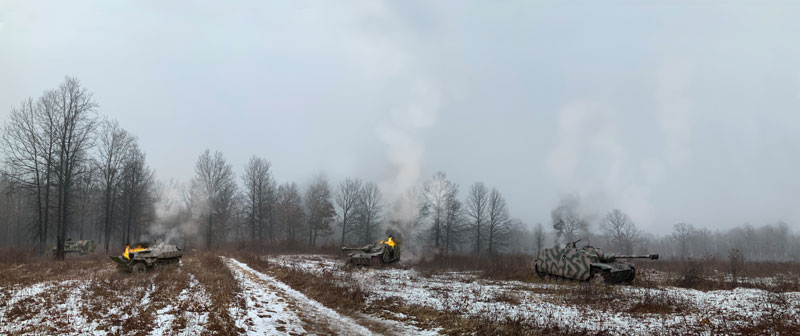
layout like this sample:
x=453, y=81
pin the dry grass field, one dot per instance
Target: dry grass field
x=271, y=292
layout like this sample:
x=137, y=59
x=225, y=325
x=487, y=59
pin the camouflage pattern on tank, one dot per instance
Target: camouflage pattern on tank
x=148, y=255
x=586, y=263
x=78, y=247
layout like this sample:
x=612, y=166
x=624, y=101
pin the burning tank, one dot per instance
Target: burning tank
x=79, y=247
x=148, y=255
x=386, y=251
x=587, y=263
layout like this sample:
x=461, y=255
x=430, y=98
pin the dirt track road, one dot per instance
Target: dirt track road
x=274, y=308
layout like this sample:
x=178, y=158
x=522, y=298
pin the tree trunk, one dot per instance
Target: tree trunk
x=478, y=234
x=367, y=236
x=344, y=226
x=208, y=233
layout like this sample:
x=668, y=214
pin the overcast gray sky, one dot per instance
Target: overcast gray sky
x=670, y=111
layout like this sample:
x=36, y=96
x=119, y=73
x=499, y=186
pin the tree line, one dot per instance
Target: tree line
x=617, y=232
x=69, y=172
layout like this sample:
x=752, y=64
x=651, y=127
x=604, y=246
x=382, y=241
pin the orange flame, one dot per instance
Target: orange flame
x=128, y=250
x=388, y=241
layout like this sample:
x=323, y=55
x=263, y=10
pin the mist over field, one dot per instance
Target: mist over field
x=466, y=131
x=688, y=117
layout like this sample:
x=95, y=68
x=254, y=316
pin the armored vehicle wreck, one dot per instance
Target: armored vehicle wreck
x=147, y=256
x=77, y=247
x=587, y=263
x=384, y=252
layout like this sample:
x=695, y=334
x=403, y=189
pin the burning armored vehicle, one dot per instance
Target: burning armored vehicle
x=587, y=263
x=147, y=256
x=79, y=247
x=384, y=252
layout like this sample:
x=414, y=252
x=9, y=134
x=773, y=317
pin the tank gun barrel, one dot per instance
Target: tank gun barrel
x=641, y=256
x=344, y=248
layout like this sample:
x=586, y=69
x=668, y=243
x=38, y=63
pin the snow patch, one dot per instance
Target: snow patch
x=274, y=308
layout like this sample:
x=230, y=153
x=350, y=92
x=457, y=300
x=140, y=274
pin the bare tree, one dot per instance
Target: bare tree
x=519, y=237
x=259, y=194
x=137, y=194
x=113, y=146
x=347, y=197
x=87, y=201
x=437, y=196
x=498, y=218
x=289, y=208
x=682, y=235
x=74, y=121
x=28, y=149
x=567, y=222
x=368, y=210
x=215, y=182
x=620, y=230
x=477, y=201
x=319, y=208
x=539, y=236
x=453, y=226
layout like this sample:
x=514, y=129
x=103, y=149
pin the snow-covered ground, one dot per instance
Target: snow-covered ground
x=273, y=308
x=101, y=302
x=94, y=306
x=44, y=307
x=194, y=296
x=554, y=304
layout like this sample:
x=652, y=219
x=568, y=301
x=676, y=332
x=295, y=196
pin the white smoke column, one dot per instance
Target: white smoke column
x=591, y=162
x=175, y=223
x=402, y=136
x=391, y=52
x=405, y=153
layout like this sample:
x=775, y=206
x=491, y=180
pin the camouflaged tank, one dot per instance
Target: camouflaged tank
x=587, y=263
x=386, y=251
x=147, y=256
x=78, y=247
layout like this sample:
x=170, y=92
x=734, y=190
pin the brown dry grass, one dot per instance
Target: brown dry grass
x=221, y=286
x=114, y=299
x=278, y=248
x=660, y=302
x=504, y=267
x=453, y=322
x=347, y=299
x=776, y=318
x=28, y=270
x=712, y=274
x=332, y=291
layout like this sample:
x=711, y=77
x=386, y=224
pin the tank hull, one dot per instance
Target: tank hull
x=585, y=264
x=158, y=256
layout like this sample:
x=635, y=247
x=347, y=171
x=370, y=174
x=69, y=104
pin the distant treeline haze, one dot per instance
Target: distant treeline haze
x=69, y=172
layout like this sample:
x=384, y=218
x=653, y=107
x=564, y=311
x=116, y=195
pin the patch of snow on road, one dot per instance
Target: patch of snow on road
x=270, y=302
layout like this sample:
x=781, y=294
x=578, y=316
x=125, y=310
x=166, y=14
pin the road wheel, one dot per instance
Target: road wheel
x=599, y=276
x=375, y=261
x=138, y=268
x=539, y=271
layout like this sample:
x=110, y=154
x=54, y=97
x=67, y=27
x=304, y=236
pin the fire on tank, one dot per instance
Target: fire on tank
x=386, y=251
